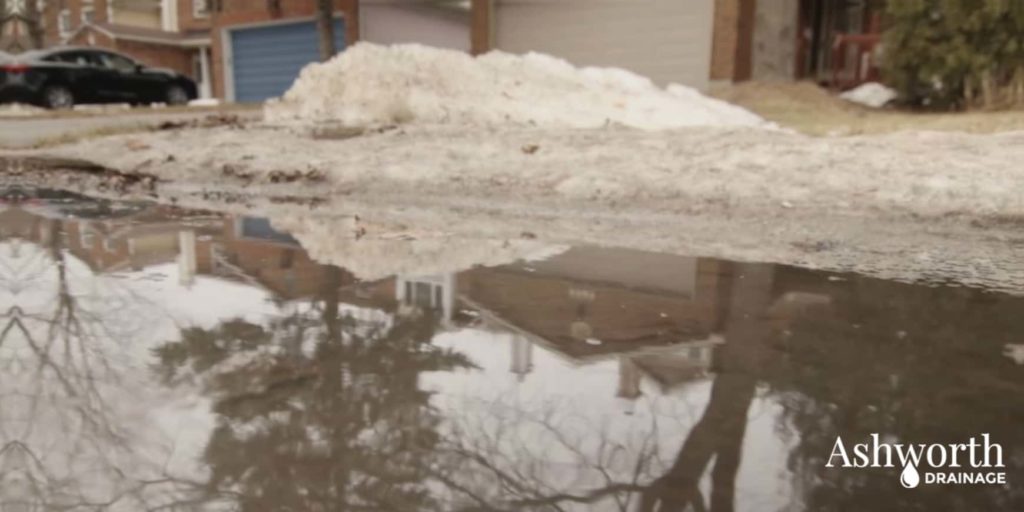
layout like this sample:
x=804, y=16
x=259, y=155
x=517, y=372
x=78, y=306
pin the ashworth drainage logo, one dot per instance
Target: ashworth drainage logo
x=972, y=462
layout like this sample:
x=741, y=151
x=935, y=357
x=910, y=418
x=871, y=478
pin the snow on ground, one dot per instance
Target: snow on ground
x=871, y=94
x=406, y=253
x=20, y=110
x=935, y=206
x=528, y=147
x=696, y=168
x=371, y=85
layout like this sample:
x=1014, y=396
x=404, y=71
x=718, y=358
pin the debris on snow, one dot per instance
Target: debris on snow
x=871, y=94
x=372, y=85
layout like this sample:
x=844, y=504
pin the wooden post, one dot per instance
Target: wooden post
x=481, y=26
x=325, y=28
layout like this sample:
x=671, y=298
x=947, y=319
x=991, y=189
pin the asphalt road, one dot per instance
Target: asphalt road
x=23, y=132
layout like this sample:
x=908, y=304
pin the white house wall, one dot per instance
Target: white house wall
x=668, y=41
x=391, y=24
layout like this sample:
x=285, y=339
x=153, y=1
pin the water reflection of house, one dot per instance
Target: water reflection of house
x=250, y=248
x=242, y=249
x=106, y=242
x=658, y=314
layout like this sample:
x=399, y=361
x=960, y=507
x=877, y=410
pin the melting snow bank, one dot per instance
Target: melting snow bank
x=701, y=169
x=872, y=94
x=377, y=253
x=941, y=206
x=371, y=85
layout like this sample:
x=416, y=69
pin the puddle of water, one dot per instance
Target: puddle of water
x=153, y=358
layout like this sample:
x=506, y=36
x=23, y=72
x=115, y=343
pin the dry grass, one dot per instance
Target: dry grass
x=807, y=108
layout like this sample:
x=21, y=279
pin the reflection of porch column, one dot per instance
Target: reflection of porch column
x=447, y=297
x=522, y=357
x=205, y=87
x=629, y=383
x=186, y=257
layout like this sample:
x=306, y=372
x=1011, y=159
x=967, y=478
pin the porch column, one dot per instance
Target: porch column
x=205, y=87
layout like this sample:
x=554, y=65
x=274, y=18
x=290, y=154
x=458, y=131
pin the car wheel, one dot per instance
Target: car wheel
x=58, y=97
x=176, y=95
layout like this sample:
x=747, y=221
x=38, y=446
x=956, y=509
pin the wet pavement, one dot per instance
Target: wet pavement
x=154, y=358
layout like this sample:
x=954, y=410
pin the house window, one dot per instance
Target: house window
x=200, y=8
x=88, y=15
x=85, y=236
x=64, y=21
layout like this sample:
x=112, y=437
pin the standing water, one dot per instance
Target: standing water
x=154, y=358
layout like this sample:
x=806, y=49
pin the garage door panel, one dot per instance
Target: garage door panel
x=666, y=40
x=266, y=60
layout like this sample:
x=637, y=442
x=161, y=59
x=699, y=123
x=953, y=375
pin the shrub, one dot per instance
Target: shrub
x=956, y=53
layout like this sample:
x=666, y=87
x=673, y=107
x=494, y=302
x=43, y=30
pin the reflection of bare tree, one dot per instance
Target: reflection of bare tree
x=719, y=433
x=62, y=392
x=510, y=474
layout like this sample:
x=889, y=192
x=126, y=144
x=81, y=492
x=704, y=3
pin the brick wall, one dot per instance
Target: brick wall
x=178, y=59
x=242, y=12
x=160, y=56
x=188, y=21
x=93, y=38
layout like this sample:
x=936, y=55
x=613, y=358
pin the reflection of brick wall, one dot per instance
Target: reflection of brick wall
x=95, y=253
x=285, y=269
x=618, y=315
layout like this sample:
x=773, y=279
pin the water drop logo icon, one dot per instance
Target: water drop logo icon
x=909, y=478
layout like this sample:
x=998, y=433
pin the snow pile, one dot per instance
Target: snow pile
x=372, y=85
x=871, y=94
x=20, y=110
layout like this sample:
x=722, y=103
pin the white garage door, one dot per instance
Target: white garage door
x=668, y=41
x=392, y=22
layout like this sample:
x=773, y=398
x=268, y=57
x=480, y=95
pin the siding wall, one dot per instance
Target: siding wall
x=390, y=24
x=666, y=40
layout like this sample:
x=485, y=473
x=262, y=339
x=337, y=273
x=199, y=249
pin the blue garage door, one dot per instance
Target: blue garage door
x=266, y=60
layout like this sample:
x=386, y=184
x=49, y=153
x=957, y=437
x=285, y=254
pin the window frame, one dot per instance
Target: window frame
x=200, y=9
x=64, y=22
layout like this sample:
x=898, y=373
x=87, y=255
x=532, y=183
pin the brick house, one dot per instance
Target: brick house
x=259, y=46
x=251, y=50
x=244, y=50
x=174, y=35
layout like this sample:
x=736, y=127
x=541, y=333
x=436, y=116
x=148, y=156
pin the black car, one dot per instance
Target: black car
x=64, y=77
